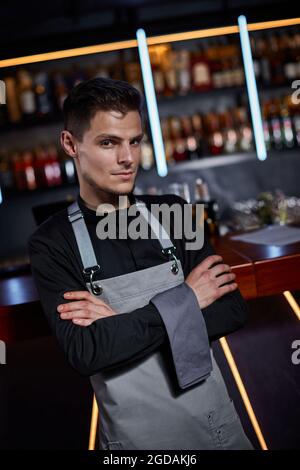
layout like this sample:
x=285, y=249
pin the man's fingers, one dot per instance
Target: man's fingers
x=220, y=269
x=82, y=321
x=228, y=288
x=83, y=295
x=93, y=313
x=81, y=305
x=77, y=294
x=224, y=278
x=208, y=262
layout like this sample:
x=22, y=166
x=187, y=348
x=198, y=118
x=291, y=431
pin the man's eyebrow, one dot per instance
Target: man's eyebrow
x=116, y=137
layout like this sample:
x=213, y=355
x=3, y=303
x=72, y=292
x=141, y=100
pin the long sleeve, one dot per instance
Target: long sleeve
x=108, y=342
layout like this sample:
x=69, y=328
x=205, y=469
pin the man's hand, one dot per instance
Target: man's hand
x=207, y=281
x=85, y=309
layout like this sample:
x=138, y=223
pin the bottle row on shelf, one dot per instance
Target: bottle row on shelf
x=30, y=169
x=31, y=96
x=276, y=56
x=185, y=138
x=206, y=65
x=226, y=132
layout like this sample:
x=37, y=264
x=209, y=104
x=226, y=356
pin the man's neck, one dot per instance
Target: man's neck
x=118, y=202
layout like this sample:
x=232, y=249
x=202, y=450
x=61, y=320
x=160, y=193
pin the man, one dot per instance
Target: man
x=136, y=315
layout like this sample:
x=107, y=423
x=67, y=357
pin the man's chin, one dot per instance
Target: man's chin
x=123, y=189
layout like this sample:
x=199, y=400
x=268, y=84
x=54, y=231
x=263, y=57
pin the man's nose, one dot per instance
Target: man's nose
x=125, y=154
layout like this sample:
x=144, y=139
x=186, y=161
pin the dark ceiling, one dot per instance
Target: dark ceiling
x=36, y=26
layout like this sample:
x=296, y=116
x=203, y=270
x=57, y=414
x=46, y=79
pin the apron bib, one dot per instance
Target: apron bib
x=141, y=405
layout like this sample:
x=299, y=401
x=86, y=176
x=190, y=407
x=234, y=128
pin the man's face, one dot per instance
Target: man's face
x=109, y=154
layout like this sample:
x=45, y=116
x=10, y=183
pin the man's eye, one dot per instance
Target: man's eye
x=106, y=143
x=136, y=142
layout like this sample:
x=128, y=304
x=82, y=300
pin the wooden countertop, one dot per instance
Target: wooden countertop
x=261, y=269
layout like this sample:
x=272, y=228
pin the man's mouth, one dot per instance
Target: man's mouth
x=124, y=172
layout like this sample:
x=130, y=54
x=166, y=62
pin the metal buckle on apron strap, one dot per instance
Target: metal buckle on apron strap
x=171, y=253
x=90, y=272
x=75, y=216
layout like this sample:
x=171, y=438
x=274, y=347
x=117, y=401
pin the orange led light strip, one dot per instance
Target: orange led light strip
x=113, y=46
x=293, y=304
x=243, y=392
x=94, y=423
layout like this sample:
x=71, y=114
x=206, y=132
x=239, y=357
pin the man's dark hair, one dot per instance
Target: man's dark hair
x=98, y=94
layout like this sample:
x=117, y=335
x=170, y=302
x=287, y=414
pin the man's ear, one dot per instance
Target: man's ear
x=68, y=143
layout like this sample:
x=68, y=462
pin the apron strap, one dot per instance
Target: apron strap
x=88, y=258
x=167, y=246
x=86, y=250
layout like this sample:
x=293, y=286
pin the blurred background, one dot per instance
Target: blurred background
x=210, y=152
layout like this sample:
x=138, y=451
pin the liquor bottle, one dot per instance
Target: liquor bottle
x=19, y=171
x=133, y=73
x=214, y=54
x=147, y=157
x=294, y=110
x=243, y=127
x=180, y=152
x=230, y=136
x=168, y=142
x=266, y=124
x=197, y=123
x=156, y=56
x=276, y=133
x=12, y=103
x=291, y=67
x=54, y=162
x=29, y=170
x=211, y=208
x=6, y=174
x=26, y=94
x=265, y=66
x=191, y=145
x=276, y=60
x=61, y=89
x=215, y=137
x=201, y=73
x=183, y=67
x=296, y=125
x=40, y=162
x=238, y=75
x=68, y=169
x=170, y=76
x=43, y=94
x=255, y=57
x=288, y=135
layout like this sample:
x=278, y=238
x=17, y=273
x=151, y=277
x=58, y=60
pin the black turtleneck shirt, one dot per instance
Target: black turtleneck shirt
x=119, y=339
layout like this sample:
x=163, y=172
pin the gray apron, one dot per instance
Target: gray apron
x=140, y=404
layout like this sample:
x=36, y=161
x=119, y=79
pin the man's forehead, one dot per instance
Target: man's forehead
x=116, y=117
x=113, y=122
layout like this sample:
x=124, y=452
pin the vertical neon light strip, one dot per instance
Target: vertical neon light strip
x=242, y=390
x=157, y=139
x=252, y=89
x=1, y=199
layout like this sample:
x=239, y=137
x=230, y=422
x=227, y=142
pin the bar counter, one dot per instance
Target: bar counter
x=261, y=270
